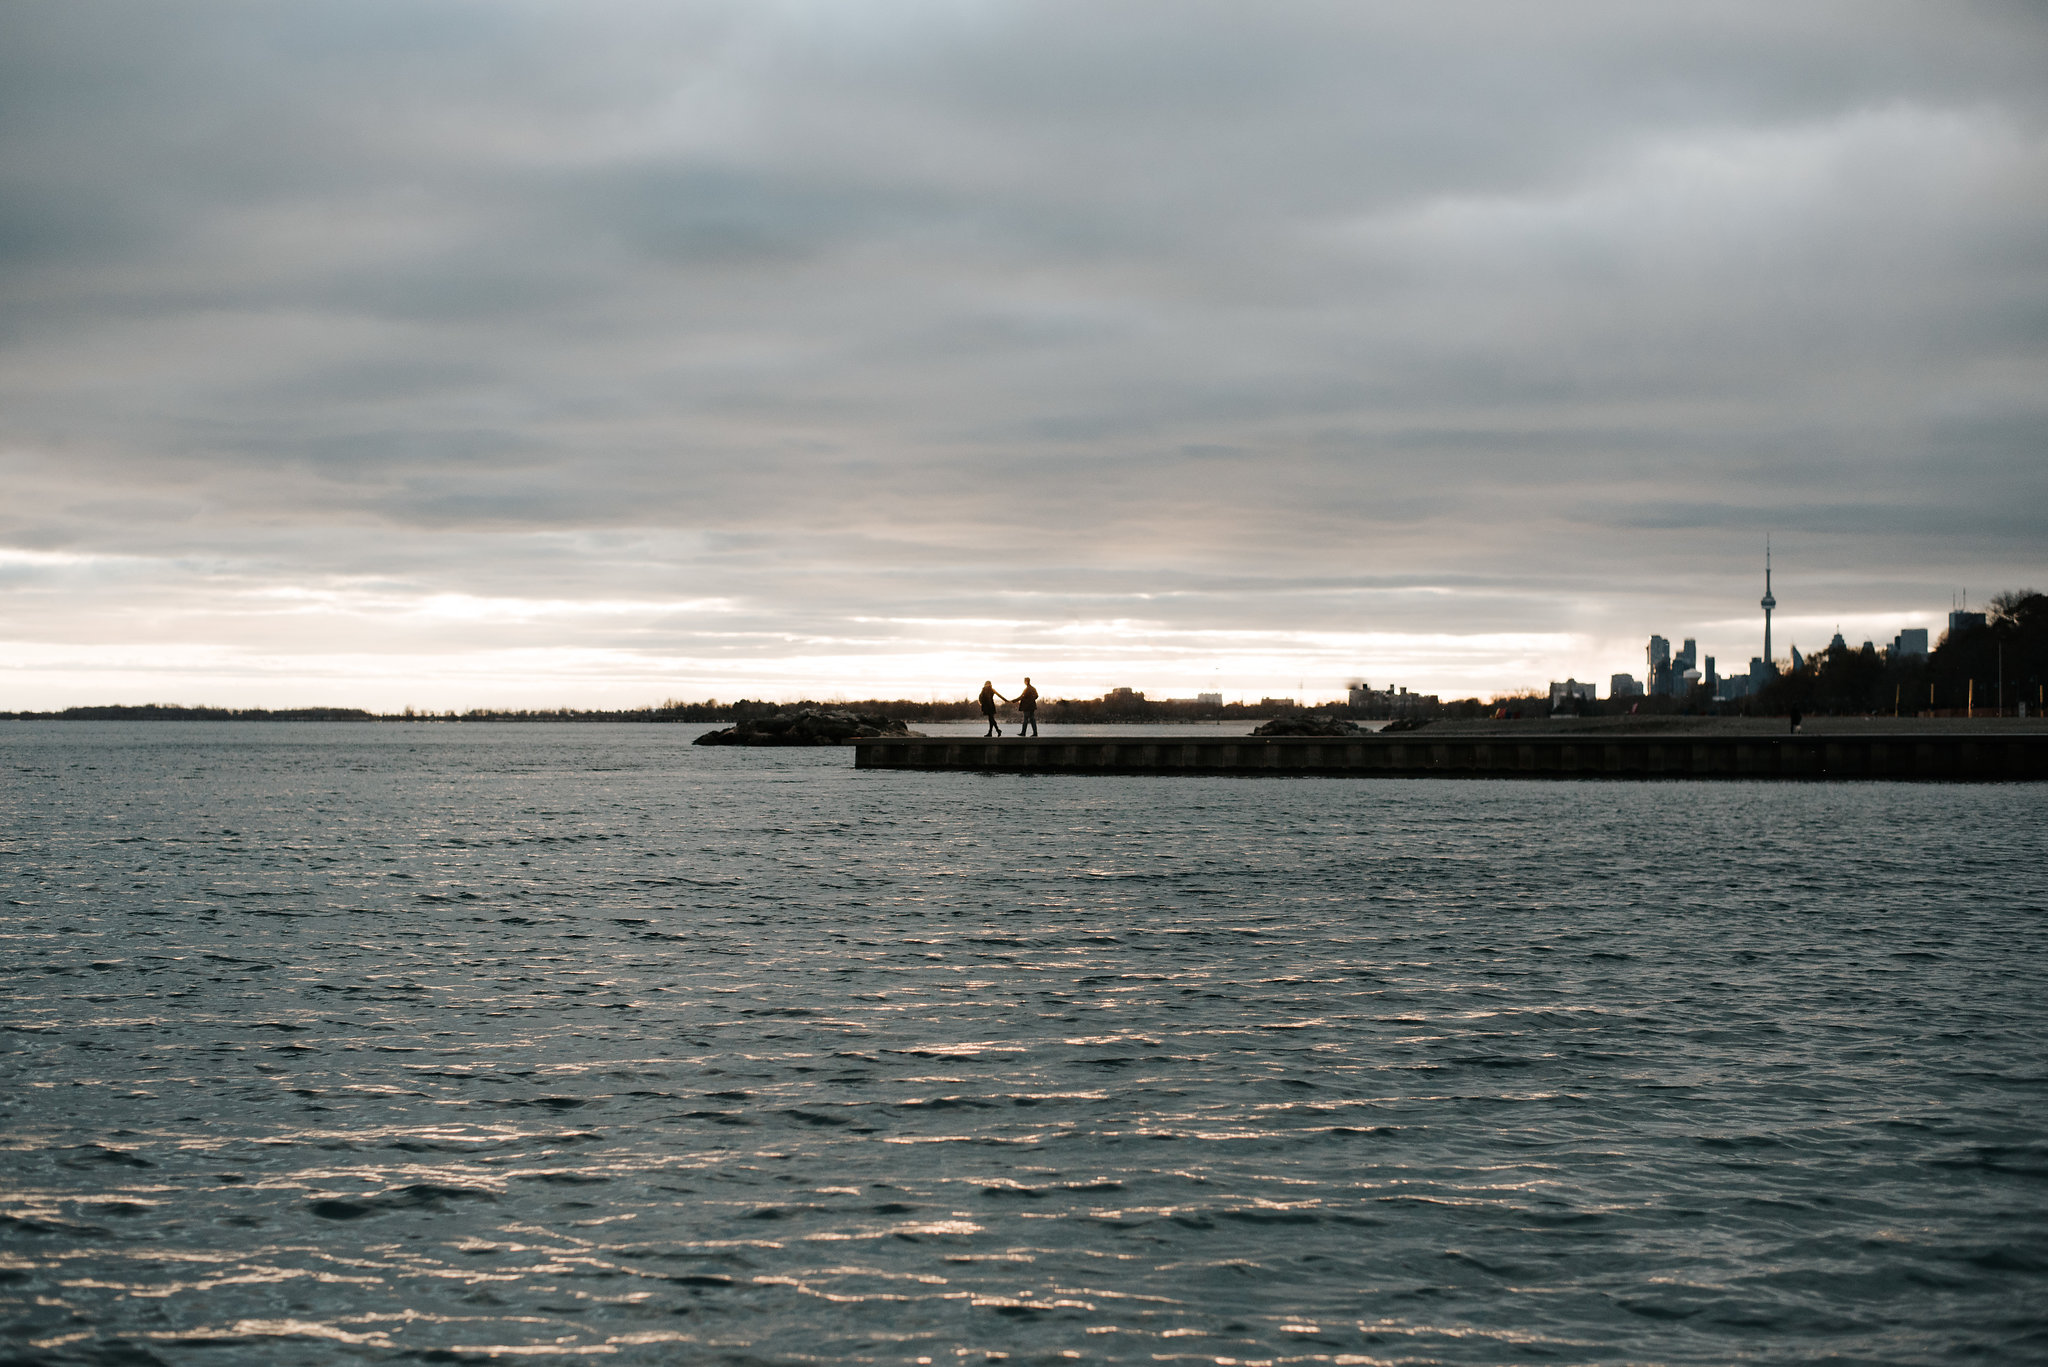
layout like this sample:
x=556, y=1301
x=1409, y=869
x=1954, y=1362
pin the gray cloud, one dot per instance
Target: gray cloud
x=1296, y=318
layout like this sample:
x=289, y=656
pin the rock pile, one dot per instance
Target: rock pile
x=811, y=726
x=1309, y=726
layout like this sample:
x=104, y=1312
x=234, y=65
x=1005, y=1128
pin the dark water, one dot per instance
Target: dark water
x=562, y=1044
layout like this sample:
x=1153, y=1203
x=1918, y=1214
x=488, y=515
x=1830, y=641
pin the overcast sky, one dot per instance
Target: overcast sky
x=504, y=354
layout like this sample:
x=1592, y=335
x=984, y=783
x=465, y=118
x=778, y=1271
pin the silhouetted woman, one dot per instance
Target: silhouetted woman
x=988, y=707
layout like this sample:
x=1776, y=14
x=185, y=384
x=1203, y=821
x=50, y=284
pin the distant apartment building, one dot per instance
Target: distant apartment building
x=1391, y=701
x=1624, y=686
x=1209, y=699
x=1910, y=642
x=1571, y=690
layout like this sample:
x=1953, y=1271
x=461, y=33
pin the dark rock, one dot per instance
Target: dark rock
x=1308, y=726
x=808, y=726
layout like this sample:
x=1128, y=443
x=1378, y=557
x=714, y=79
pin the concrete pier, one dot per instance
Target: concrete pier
x=1949, y=757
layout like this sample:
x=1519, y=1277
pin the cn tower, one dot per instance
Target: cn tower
x=1768, y=601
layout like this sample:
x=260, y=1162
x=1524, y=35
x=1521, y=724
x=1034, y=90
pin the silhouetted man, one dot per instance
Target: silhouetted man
x=1027, y=705
x=988, y=707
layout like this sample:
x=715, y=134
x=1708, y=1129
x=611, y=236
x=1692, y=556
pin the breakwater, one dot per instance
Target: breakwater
x=1950, y=757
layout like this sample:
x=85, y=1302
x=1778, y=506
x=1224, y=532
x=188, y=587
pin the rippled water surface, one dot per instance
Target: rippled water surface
x=552, y=1043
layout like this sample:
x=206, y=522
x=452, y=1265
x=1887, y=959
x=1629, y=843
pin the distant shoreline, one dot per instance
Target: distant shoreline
x=966, y=711
x=334, y=714
x=1093, y=711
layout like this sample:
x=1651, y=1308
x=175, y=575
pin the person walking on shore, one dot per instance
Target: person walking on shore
x=1027, y=707
x=988, y=707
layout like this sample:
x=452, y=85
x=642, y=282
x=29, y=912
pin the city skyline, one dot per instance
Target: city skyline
x=472, y=356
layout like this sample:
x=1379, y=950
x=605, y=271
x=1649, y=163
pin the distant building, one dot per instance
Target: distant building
x=1959, y=622
x=1624, y=686
x=1209, y=699
x=1711, y=679
x=1408, y=704
x=1746, y=685
x=1910, y=642
x=1571, y=690
x=1390, y=701
x=1672, y=683
x=1276, y=702
x=1658, y=659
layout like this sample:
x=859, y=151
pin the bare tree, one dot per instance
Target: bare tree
x=2013, y=604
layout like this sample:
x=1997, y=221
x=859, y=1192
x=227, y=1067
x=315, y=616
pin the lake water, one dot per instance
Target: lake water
x=560, y=1044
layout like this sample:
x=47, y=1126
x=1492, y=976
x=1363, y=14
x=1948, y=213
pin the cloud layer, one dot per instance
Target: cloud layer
x=464, y=354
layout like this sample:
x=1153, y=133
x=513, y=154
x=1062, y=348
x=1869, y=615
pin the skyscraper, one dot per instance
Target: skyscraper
x=1768, y=601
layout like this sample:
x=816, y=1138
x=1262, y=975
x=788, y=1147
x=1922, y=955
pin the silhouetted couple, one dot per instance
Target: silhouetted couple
x=1027, y=708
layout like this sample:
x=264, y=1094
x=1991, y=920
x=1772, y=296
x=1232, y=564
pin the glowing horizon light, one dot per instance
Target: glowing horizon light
x=1075, y=660
x=383, y=644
